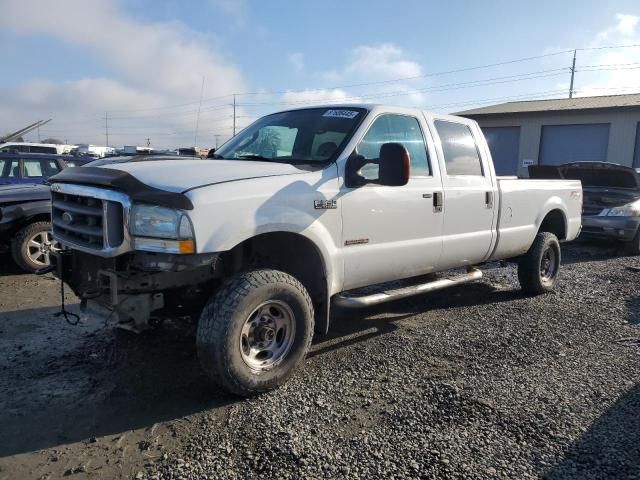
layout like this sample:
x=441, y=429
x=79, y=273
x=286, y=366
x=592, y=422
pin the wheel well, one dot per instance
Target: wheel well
x=554, y=223
x=289, y=252
x=23, y=222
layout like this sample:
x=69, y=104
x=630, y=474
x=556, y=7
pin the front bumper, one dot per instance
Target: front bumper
x=620, y=228
x=133, y=286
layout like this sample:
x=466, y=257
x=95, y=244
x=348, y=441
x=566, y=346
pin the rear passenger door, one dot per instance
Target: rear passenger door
x=469, y=193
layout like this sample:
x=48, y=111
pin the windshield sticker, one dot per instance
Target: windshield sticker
x=340, y=113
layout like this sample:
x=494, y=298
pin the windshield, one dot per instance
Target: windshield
x=314, y=135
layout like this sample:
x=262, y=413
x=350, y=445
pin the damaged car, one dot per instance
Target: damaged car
x=611, y=208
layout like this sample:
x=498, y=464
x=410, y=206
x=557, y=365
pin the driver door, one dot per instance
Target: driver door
x=392, y=232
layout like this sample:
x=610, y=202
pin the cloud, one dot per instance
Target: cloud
x=384, y=60
x=317, y=97
x=154, y=65
x=365, y=64
x=613, y=71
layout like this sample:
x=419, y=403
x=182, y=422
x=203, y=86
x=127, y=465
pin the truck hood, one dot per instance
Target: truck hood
x=180, y=176
x=23, y=193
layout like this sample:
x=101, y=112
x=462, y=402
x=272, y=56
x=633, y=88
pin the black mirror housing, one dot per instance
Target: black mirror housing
x=395, y=165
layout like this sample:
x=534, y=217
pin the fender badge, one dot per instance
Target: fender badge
x=357, y=241
x=325, y=204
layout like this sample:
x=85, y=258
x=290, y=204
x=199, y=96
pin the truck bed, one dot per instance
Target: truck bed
x=524, y=203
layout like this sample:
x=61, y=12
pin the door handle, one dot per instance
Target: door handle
x=488, y=199
x=438, y=200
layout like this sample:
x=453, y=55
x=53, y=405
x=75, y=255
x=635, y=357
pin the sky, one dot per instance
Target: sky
x=165, y=72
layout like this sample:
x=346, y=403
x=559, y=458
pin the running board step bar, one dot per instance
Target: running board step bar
x=347, y=301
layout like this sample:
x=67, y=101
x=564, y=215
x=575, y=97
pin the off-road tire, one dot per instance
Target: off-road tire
x=530, y=276
x=633, y=247
x=221, y=321
x=19, y=251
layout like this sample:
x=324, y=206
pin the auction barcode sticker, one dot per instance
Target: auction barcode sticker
x=340, y=113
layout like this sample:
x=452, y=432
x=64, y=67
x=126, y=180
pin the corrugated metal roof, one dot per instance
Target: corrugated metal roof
x=559, y=104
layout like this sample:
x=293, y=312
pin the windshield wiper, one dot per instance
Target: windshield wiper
x=255, y=156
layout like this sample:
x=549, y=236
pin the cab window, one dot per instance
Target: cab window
x=395, y=129
x=40, y=167
x=9, y=168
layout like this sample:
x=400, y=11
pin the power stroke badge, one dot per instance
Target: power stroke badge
x=325, y=204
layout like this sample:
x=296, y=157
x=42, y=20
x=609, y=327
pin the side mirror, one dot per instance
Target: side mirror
x=395, y=165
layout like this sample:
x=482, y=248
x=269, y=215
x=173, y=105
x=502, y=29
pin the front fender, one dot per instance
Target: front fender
x=227, y=215
x=22, y=211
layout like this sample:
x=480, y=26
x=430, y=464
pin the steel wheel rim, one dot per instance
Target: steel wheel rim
x=39, y=248
x=267, y=335
x=548, y=264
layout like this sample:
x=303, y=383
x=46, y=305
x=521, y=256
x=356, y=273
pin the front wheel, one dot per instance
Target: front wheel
x=538, y=269
x=255, y=331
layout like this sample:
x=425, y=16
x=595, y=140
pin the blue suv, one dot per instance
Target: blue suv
x=30, y=168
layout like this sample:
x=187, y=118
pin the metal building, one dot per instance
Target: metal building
x=605, y=128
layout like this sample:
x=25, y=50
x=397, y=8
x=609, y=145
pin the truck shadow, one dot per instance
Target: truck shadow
x=349, y=327
x=67, y=384
x=611, y=446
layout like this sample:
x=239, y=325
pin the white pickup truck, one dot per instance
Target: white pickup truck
x=293, y=216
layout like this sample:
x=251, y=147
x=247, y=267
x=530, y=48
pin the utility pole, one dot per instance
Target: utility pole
x=38, y=134
x=234, y=114
x=106, y=128
x=195, y=139
x=573, y=74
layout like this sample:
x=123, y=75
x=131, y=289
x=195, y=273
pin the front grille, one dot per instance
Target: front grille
x=88, y=222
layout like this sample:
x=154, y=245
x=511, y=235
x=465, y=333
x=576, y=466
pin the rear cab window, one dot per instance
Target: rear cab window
x=461, y=154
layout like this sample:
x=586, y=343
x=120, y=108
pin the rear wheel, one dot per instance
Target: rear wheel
x=255, y=331
x=538, y=269
x=32, y=246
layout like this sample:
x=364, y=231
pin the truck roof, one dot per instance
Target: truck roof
x=380, y=108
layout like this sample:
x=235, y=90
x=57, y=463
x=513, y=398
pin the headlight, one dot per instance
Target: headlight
x=628, y=210
x=161, y=229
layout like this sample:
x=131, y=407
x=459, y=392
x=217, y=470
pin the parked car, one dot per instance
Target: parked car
x=25, y=228
x=24, y=168
x=611, y=199
x=25, y=147
x=299, y=211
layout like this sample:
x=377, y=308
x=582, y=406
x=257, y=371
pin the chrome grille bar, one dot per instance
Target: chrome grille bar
x=90, y=219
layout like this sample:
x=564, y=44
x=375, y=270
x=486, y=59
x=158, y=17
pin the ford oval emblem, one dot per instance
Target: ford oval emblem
x=67, y=218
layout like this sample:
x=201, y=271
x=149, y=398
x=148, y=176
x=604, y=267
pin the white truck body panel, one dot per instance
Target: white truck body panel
x=374, y=233
x=523, y=206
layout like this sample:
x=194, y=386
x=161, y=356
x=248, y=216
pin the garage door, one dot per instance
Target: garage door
x=504, y=144
x=574, y=143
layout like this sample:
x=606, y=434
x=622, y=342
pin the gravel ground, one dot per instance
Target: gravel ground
x=478, y=381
